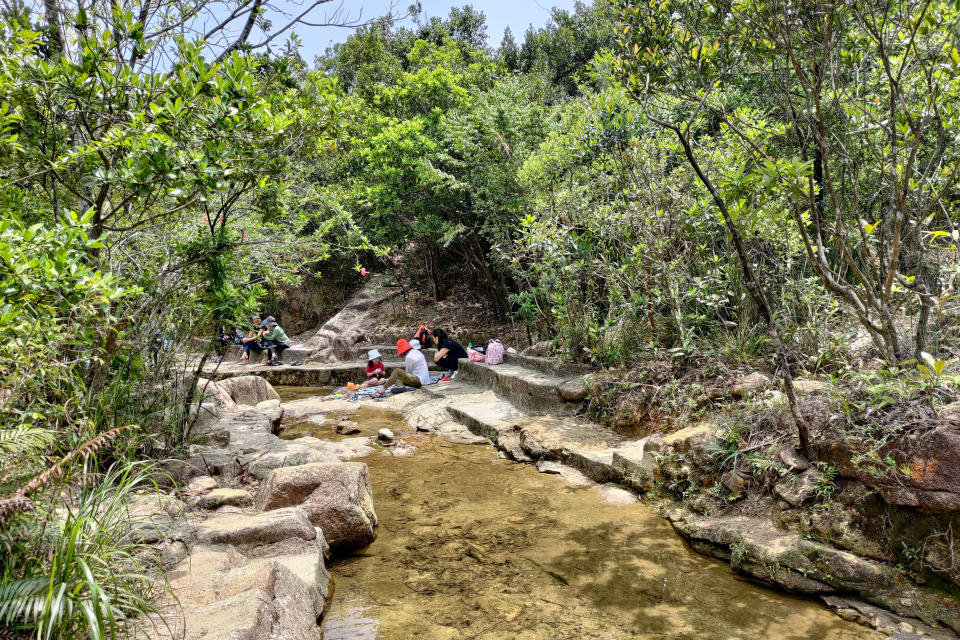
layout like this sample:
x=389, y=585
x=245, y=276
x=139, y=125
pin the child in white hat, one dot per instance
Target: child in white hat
x=376, y=370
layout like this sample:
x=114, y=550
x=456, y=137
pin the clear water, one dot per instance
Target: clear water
x=472, y=546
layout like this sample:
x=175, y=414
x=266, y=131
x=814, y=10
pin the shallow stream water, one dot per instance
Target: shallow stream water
x=471, y=546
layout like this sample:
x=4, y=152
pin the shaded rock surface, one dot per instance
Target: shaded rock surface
x=338, y=337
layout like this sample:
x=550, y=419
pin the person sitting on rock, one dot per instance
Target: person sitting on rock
x=422, y=335
x=415, y=372
x=375, y=369
x=254, y=339
x=449, y=352
x=224, y=340
x=276, y=341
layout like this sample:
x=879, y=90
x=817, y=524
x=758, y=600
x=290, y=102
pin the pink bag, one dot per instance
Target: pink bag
x=475, y=356
x=494, y=352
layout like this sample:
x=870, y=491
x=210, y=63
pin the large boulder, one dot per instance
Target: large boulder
x=211, y=391
x=338, y=337
x=248, y=390
x=335, y=496
x=277, y=592
x=933, y=458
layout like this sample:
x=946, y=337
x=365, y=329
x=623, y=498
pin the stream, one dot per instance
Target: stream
x=474, y=546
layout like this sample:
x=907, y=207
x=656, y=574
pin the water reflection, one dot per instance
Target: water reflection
x=347, y=619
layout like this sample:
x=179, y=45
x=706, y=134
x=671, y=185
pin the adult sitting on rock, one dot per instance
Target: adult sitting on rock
x=276, y=341
x=449, y=351
x=254, y=339
x=415, y=372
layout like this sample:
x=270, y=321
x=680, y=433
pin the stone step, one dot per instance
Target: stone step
x=585, y=446
x=528, y=389
x=305, y=375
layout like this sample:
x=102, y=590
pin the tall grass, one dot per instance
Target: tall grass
x=71, y=568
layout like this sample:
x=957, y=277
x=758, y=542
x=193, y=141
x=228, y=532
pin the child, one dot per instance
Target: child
x=423, y=336
x=376, y=370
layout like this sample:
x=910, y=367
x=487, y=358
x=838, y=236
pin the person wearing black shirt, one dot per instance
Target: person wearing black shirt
x=449, y=351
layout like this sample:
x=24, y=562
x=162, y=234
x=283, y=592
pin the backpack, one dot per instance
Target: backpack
x=494, y=352
x=423, y=335
x=475, y=356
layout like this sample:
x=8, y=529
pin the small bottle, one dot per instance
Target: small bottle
x=469, y=345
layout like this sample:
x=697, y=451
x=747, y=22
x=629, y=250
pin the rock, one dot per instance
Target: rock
x=171, y=553
x=201, y=485
x=211, y=391
x=225, y=497
x=509, y=442
x=735, y=481
x=249, y=390
x=613, y=494
x=883, y=620
x=637, y=463
x=749, y=384
x=347, y=428
x=538, y=349
x=273, y=403
x=385, y=436
x=205, y=425
x=933, y=458
x=573, y=390
x=336, y=497
x=158, y=517
x=569, y=474
x=795, y=490
x=805, y=386
x=792, y=459
x=262, y=528
x=548, y=466
x=222, y=594
x=339, y=335
x=691, y=437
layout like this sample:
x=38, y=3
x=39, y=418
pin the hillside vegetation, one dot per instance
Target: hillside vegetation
x=669, y=191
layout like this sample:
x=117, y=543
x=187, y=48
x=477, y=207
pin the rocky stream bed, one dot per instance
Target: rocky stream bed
x=297, y=521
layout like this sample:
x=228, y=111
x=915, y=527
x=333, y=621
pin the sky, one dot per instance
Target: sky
x=517, y=14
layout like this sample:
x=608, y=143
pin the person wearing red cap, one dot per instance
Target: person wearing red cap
x=415, y=372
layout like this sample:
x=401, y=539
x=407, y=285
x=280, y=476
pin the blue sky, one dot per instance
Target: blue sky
x=517, y=14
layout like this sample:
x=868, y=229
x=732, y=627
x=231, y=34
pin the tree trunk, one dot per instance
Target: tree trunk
x=51, y=10
x=755, y=288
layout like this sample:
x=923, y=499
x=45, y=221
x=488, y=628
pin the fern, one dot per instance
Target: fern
x=17, y=440
x=93, y=580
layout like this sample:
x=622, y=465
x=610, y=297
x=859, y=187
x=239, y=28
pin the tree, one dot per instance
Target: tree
x=846, y=121
x=672, y=82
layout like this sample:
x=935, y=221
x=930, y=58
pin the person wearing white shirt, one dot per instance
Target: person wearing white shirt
x=415, y=372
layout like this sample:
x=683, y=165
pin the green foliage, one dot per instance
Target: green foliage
x=75, y=572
